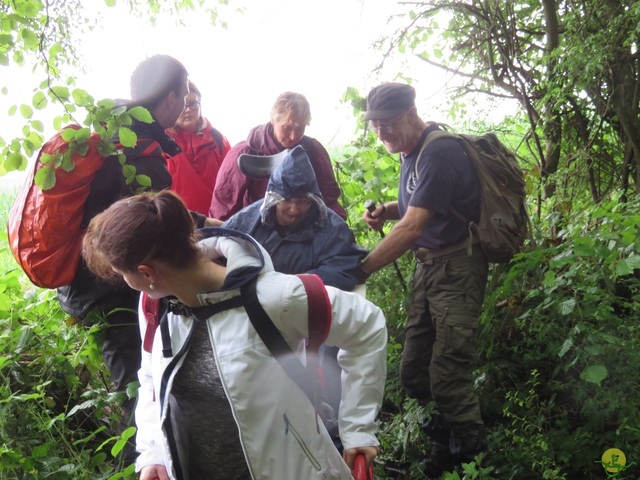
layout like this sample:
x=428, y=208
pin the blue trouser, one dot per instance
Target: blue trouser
x=441, y=339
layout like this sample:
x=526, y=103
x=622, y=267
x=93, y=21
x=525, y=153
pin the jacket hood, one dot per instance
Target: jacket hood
x=245, y=258
x=261, y=141
x=293, y=178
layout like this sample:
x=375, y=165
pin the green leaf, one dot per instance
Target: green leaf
x=81, y=97
x=583, y=246
x=82, y=135
x=594, y=374
x=30, y=39
x=68, y=134
x=82, y=148
x=39, y=101
x=127, y=137
x=12, y=110
x=623, y=268
x=60, y=92
x=37, y=125
x=143, y=180
x=634, y=261
x=14, y=161
x=26, y=111
x=110, y=3
x=29, y=9
x=45, y=178
x=55, y=49
x=67, y=165
x=549, y=279
x=141, y=114
x=568, y=343
x=129, y=171
x=568, y=306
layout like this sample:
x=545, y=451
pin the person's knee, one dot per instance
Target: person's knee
x=415, y=385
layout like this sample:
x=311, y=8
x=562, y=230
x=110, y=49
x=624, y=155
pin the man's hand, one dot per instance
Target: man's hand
x=212, y=222
x=376, y=218
x=369, y=454
x=154, y=472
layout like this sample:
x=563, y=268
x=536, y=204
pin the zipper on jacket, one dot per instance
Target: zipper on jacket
x=303, y=445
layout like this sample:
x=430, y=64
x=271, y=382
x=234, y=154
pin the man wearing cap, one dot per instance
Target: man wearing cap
x=449, y=281
x=159, y=83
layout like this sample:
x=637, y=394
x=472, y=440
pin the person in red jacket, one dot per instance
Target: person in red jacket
x=290, y=116
x=194, y=171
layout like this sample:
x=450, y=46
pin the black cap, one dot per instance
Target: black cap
x=388, y=100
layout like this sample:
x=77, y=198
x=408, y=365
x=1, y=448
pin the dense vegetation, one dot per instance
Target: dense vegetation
x=557, y=370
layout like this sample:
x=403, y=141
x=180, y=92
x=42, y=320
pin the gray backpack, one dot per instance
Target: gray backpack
x=504, y=222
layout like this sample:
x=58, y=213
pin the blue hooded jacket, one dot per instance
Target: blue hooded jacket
x=322, y=243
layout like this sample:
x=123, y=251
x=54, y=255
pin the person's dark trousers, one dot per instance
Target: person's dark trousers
x=441, y=339
x=121, y=349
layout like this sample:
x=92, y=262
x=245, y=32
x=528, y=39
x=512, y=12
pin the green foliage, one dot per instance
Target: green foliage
x=56, y=411
x=559, y=345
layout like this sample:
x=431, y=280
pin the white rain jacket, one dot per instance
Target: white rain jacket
x=276, y=422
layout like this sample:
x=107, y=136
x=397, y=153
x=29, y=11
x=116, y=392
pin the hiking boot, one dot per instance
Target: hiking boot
x=439, y=460
x=464, y=448
x=437, y=430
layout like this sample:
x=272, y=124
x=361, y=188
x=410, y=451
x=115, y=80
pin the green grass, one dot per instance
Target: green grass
x=7, y=262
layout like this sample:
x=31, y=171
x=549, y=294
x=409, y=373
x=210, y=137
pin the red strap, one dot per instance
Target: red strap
x=319, y=309
x=150, y=308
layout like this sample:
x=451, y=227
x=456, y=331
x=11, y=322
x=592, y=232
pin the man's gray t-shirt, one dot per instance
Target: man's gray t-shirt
x=445, y=177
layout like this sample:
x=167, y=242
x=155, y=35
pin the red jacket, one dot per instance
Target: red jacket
x=194, y=171
x=234, y=191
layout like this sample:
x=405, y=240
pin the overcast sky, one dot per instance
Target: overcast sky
x=317, y=48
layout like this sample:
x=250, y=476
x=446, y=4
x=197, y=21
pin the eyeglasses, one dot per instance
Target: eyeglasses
x=387, y=127
x=192, y=105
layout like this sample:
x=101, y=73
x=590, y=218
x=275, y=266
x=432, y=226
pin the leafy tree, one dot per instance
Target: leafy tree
x=44, y=35
x=573, y=65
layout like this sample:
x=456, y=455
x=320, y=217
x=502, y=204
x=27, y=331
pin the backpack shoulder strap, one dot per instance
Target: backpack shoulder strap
x=156, y=309
x=319, y=309
x=217, y=136
x=435, y=135
x=275, y=342
x=153, y=309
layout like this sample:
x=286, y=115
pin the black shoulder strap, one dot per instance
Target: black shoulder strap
x=198, y=313
x=276, y=343
x=217, y=136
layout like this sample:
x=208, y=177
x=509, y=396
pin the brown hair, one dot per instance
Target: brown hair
x=194, y=89
x=139, y=229
x=291, y=105
x=154, y=78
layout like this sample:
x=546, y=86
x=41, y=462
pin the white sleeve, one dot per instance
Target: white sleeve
x=359, y=329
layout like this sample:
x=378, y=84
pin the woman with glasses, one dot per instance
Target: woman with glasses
x=194, y=171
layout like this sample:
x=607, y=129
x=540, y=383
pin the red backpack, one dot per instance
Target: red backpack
x=44, y=226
